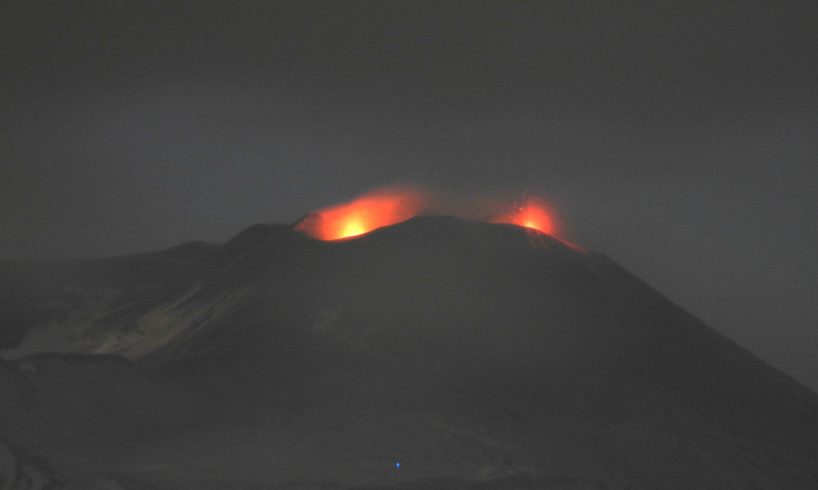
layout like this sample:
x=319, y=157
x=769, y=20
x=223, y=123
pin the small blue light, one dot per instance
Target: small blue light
x=397, y=465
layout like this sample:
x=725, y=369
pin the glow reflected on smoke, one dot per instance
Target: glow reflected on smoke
x=370, y=211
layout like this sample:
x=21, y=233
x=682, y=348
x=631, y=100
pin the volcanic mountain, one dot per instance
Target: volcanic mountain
x=436, y=353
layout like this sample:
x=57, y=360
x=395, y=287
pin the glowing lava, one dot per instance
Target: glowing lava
x=376, y=209
x=531, y=214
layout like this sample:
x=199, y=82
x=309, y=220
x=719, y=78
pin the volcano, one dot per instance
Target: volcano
x=434, y=353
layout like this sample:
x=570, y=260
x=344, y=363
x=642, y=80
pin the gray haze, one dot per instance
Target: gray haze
x=678, y=137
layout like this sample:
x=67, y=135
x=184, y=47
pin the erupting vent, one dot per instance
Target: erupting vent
x=393, y=205
x=368, y=212
x=533, y=214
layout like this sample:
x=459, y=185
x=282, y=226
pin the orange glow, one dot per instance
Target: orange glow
x=531, y=214
x=373, y=210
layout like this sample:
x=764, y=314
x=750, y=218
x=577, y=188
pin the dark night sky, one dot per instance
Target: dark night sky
x=678, y=137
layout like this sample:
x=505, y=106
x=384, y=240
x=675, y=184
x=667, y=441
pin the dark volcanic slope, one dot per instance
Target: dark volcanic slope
x=471, y=352
x=52, y=301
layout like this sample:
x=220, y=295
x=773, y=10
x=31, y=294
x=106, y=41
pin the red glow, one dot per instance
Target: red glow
x=531, y=214
x=376, y=209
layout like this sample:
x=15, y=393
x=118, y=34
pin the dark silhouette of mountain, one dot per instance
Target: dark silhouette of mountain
x=474, y=355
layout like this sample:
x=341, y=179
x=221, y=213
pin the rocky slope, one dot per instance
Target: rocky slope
x=476, y=355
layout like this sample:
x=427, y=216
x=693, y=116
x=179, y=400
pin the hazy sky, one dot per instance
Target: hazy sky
x=678, y=137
